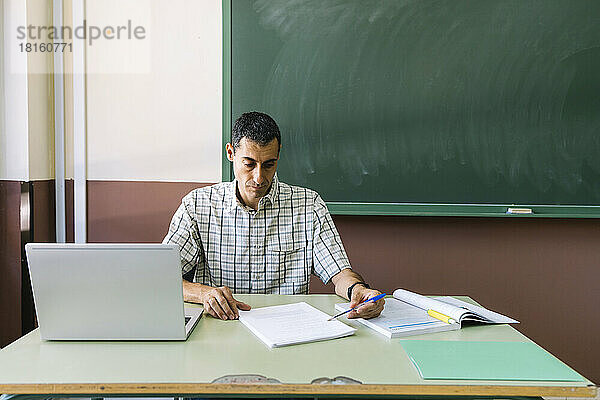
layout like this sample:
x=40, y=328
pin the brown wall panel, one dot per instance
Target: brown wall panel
x=10, y=262
x=133, y=211
x=522, y=267
x=44, y=211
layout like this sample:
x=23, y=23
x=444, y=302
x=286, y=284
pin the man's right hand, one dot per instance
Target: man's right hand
x=217, y=301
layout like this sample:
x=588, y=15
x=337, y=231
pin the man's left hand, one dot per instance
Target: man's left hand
x=368, y=310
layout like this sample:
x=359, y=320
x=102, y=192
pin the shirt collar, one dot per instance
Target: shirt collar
x=230, y=197
x=272, y=195
x=231, y=200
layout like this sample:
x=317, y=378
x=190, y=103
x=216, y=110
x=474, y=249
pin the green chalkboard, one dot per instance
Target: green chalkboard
x=387, y=104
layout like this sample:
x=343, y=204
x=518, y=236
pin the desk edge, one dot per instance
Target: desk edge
x=299, y=389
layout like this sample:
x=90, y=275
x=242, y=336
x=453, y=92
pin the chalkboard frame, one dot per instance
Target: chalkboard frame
x=397, y=209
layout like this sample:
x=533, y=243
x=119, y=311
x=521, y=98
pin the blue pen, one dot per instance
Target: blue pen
x=354, y=308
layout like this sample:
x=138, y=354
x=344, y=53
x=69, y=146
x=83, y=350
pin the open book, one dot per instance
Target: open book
x=406, y=314
x=294, y=323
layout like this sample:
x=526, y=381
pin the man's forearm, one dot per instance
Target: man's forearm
x=343, y=280
x=217, y=301
x=346, y=278
x=192, y=292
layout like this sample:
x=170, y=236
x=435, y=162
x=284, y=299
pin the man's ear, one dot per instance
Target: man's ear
x=230, y=151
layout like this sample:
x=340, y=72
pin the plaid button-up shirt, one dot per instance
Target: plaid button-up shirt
x=271, y=250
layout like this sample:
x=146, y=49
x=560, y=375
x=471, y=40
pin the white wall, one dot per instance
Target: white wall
x=27, y=123
x=14, y=147
x=68, y=91
x=158, y=119
x=40, y=97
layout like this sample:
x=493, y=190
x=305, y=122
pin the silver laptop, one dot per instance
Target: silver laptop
x=109, y=292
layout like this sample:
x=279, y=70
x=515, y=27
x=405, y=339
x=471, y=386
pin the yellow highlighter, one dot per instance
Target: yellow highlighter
x=440, y=316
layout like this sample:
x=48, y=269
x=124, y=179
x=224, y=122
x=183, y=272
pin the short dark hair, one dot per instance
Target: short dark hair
x=256, y=126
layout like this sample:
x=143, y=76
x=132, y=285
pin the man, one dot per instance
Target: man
x=259, y=235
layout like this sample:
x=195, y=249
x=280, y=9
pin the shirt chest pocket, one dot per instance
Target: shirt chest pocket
x=287, y=264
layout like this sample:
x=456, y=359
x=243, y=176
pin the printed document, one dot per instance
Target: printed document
x=294, y=323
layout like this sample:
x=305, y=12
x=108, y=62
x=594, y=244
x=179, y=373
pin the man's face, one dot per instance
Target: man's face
x=254, y=167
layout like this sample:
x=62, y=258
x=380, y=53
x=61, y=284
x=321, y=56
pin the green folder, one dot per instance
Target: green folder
x=511, y=361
